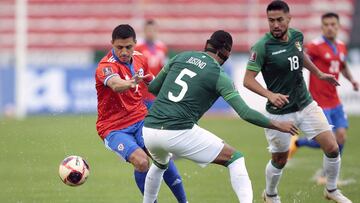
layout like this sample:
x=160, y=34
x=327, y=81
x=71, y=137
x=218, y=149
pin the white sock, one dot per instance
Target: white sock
x=273, y=176
x=240, y=180
x=152, y=183
x=332, y=170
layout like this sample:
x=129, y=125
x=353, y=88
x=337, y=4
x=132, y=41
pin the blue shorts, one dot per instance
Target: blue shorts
x=125, y=141
x=337, y=117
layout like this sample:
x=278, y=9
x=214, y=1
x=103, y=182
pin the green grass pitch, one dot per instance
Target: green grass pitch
x=31, y=151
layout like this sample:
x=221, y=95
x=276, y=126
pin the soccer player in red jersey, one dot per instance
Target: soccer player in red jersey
x=121, y=110
x=155, y=51
x=329, y=55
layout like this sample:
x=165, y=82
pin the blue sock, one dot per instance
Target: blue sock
x=140, y=180
x=305, y=142
x=174, y=182
x=341, y=147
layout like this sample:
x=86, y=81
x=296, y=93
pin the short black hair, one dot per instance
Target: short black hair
x=330, y=15
x=278, y=5
x=221, y=39
x=123, y=31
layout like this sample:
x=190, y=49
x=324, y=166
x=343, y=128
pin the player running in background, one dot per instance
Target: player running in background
x=329, y=55
x=280, y=58
x=186, y=88
x=155, y=51
x=121, y=109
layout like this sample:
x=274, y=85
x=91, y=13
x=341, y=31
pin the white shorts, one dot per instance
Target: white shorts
x=196, y=144
x=311, y=121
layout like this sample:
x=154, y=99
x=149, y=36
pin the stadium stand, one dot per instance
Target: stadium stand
x=86, y=24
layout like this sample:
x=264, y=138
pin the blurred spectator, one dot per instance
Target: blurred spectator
x=155, y=51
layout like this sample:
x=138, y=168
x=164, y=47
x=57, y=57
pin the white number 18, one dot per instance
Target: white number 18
x=294, y=63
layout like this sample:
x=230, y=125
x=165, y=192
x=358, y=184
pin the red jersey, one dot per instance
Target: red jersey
x=119, y=110
x=329, y=58
x=156, y=57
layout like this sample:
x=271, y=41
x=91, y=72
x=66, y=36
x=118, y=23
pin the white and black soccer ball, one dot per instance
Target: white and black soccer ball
x=74, y=170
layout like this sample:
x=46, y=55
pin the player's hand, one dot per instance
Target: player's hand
x=285, y=126
x=146, y=78
x=278, y=100
x=132, y=83
x=355, y=85
x=329, y=78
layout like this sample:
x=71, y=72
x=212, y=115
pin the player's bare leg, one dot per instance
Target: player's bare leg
x=331, y=165
x=239, y=177
x=139, y=160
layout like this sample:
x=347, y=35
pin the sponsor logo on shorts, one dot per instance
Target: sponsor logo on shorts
x=121, y=147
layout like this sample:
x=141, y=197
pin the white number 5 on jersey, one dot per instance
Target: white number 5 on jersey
x=183, y=84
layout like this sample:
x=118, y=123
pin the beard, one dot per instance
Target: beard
x=280, y=36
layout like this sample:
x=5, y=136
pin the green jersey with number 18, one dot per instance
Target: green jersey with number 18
x=187, y=87
x=281, y=65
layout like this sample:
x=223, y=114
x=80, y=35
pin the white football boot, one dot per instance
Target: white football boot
x=336, y=196
x=270, y=199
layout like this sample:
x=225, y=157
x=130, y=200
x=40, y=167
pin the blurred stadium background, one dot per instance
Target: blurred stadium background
x=56, y=44
x=49, y=50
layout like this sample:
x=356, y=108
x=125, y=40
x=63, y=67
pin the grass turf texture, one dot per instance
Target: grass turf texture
x=31, y=151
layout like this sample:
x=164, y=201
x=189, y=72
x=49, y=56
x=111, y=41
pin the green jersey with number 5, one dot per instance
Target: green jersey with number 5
x=187, y=87
x=281, y=65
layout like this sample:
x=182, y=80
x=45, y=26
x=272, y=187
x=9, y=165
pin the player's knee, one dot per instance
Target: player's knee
x=279, y=161
x=331, y=151
x=142, y=165
x=140, y=162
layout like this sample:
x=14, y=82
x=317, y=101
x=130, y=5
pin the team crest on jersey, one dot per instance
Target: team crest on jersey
x=107, y=71
x=298, y=46
x=252, y=56
x=141, y=72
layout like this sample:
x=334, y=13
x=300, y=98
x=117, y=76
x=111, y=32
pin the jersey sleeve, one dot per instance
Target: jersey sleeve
x=311, y=50
x=105, y=71
x=227, y=90
x=257, y=57
x=155, y=85
x=344, y=57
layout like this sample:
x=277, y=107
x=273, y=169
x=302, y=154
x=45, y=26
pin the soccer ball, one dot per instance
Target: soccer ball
x=73, y=170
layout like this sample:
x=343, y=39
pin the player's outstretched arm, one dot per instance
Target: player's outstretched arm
x=119, y=85
x=226, y=89
x=156, y=84
x=257, y=118
x=308, y=64
x=347, y=74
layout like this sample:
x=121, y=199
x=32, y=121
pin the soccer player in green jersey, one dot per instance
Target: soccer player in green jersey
x=186, y=88
x=280, y=57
